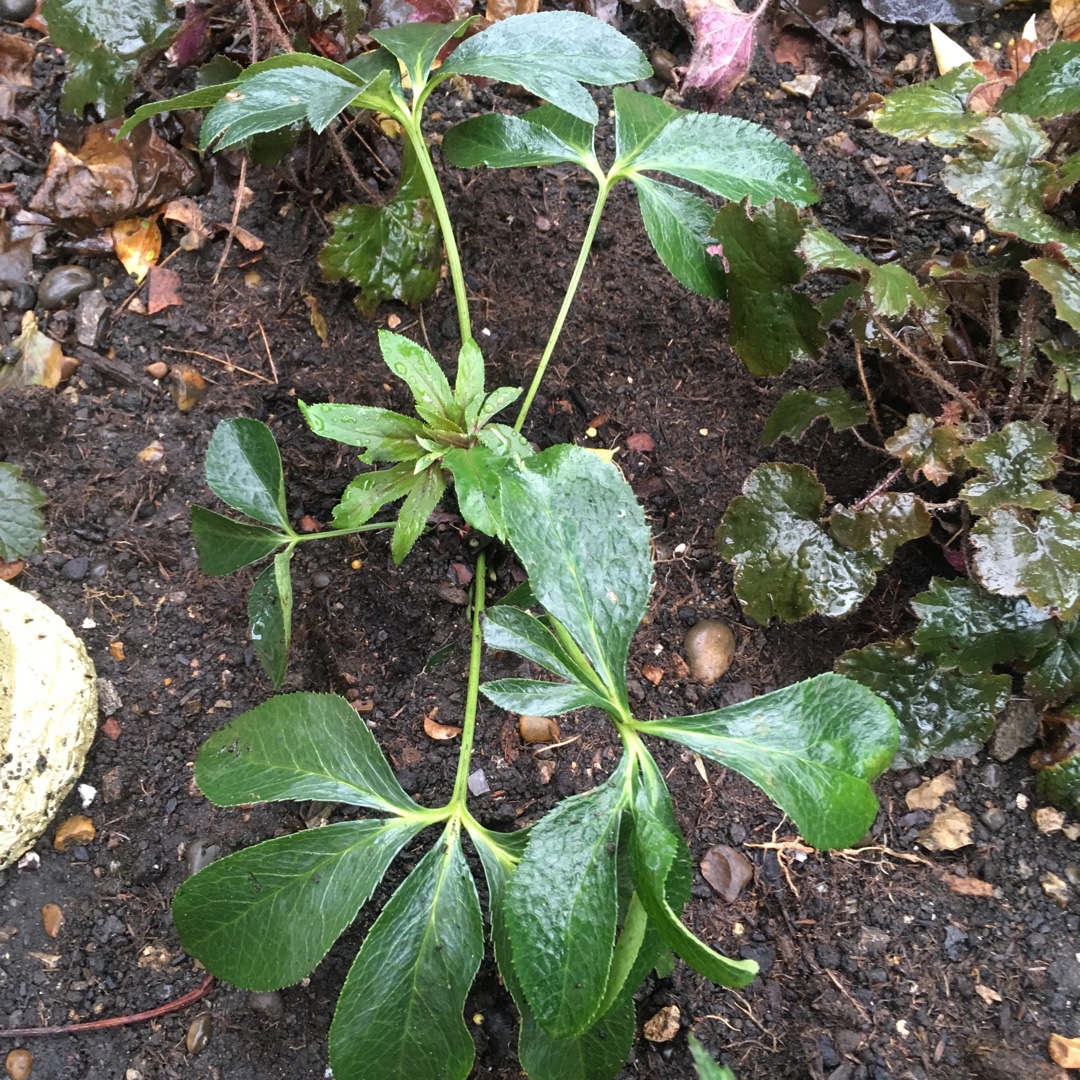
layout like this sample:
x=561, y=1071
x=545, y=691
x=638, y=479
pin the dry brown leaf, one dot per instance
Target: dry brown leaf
x=949, y=831
x=728, y=871
x=653, y=673
x=1056, y=888
x=929, y=795
x=76, y=830
x=186, y=386
x=991, y=997
x=137, y=243
x=185, y=212
x=40, y=358
x=663, y=1026
x=16, y=71
x=163, y=290
x=1064, y=1052
x=318, y=319
x=442, y=732
x=641, y=441
x=10, y=570
x=496, y=10
x=52, y=919
x=1048, y=819
x=248, y=241
x=116, y=650
x=50, y=960
x=968, y=886
x=1066, y=14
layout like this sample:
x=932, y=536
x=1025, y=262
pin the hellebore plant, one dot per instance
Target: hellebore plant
x=582, y=905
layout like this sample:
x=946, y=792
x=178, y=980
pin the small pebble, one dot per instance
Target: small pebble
x=157, y=370
x=267, y=1003
x=99, y=571
x=23, y=296
x=19, y=1064
x=992, y=774
x=52, y=919
x=198, y=1034
x=478, y=784
x=538, y=729
x=543, y=224
x=75, y=569
x=994, y=819
x=199, y=854
x=320, y=579
x=62, y=285
x=710, y=647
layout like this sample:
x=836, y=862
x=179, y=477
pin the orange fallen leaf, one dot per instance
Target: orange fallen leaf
x=163, y=290
x=186, y=386
x=1066, y=14
x=496, y=10
x=652, y=673
x=52, y=918
x=968, y=886
x=137, y=243
x=78, y=829
x=441, y=732
x=1065, y=1052
x=10, y=570
x=111, y=729
x=116, y=650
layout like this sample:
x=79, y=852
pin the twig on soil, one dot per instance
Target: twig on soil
x=871, y=405
x=852, y=58
x=269, y=354
x=189, y=998
x=883, y=486
x=227, y=364
x=237, y=204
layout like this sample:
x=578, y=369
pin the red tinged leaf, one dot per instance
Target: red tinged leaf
x=164, y=290
x=724, y=43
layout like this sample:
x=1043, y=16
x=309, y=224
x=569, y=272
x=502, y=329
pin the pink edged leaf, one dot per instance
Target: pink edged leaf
x=724, y=43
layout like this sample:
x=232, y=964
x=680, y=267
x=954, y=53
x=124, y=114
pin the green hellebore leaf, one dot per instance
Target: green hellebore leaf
x=266, y=916
x=508, y=142
x=105, y=43
x=270, y=617
x=417, y=44
x=890, y=289
x=243, y=469
x=798, y=409
x=1051, y=85
x=509, y=439
x=1062, y=284
x=1055, y=675
x=639, y=118
x=399, y=1016
x=1014, y=459
x=534, y=697
x=707, y=1069
x=927, y=447
x=299, y=746
x=581, y=535
x=507, y=627
x=415, y=366
x=476, y=484
x=935, y=110
x=550, y=53
x=771, y=323
x=941, y=713
x=202, y=98
x=561, y=908
x=728, y=156
x=678, y=225
x=22, y=525
x=469, y=381
x=1060, y=784
x=883, y=524
x=369, y=492
x=424, y=495
x=224, y=545
x=1016, y=556
x=962, y=625
x=388, y=435
x=352, y=13
x=390, y=252
x=786, y=564
x=812, y=747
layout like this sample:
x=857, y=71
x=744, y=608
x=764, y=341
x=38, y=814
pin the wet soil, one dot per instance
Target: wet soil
x=873, y=966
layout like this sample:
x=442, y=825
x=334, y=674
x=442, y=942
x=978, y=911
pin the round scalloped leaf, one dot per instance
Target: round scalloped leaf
x=1014, y=460
x=1055, y=676
x=786, y=564
x=926, y=446
x=941, y=713
x=882, y=525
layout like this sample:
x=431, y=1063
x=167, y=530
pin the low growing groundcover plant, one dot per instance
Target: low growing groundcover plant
x=584, y=903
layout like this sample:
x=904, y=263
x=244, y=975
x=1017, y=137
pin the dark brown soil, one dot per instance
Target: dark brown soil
x=872, y=967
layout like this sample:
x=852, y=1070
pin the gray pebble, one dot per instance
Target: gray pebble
x=320, y=579
x=267, y=1003
x=23, y=296
x=62, y=285
x=75, y=569
x=994, y=819
x=200, y=853
x=99, y=571
x=737, y=832
x=16, y=10
x=992, y=774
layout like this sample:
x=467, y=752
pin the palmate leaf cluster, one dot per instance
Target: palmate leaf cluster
x=583, y=904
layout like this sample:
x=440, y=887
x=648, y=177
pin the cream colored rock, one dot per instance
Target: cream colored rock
x=710, y=647
x=48, y=715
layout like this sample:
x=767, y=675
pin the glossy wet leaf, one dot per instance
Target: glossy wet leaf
x=728, y=156
x=270, y=617
x=962, y=625
x=799, y=408
x=1062, y=284
x=503, y=142
x=420, y=371
x=658, y=852
x=297, y=747
x=561, y=909
x=422, y=499
x=469, y=382
x=22, y=525
x=399, y=1016
x=1055, y=675
x=390, y=252
x=550, y=54
x=105, y=43
x=890, y=290
x=580, y=533
x=1016, y=555
x=533, y=697
x=1014, y=461
x=707, y=1069
x=925, y=446
x=786, y=564
x=476, y=484
x=224, y=545
x=507, y=627
x=1051, y=85
x=202, y=98
x=934, y=110
x=243, y=469
x=351, y=11
x=813, y=748
x=639, y=118
x=417, y=44
x=370, y=491
x=265, y=917
x=386, y=435
x=678, y=225
x=942, y=713
x=884, y=523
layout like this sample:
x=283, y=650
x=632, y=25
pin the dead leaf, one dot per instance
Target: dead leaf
x=163, y=290
x=949, y=831
x=76, y=830
x=793, y=46
x=40, y=358
x=1064, y=1052
x=107, y=181
x=724, y=43
x=497, y=10
x=653, y=673
x=991, y=997
x=152, y=453
x=1056, y=888
x=929, y=795
x=1048, y=819
x=318, y=319
x=111, y=729
x=968, y=886
x=641, y=441
x=186, y=386
x=185, y=212
x=52, y=919
x=9, y=571
x=804, y=86
x=50, y=960
x=538, y=729
x=116, y=650
x=663, y=1026
x=442, y=732
x=728, y=871
x=248, y=241
x=137, y=243
x=1066, y=14
x=16, y=71
x=16, y=258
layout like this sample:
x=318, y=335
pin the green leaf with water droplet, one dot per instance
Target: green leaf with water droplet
x=798, y=409
x=1062, y=284
x=1014, y=460
x=935, y=110
x=270, y=617
x=1051, y=85
x=882, y=524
